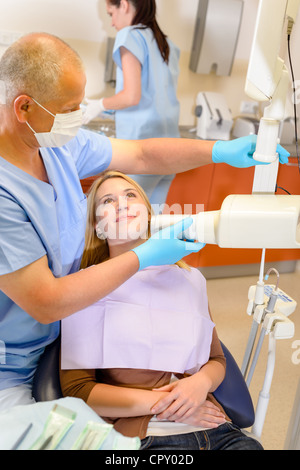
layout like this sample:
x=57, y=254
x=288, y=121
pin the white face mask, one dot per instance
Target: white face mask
x=64, y=129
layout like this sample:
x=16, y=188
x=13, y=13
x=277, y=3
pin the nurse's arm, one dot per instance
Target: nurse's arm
x=160, y=156
x=48, y=299
x=132, y=88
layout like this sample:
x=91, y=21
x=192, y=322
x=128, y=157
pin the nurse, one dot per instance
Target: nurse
x=145, y=102
x=43, y=156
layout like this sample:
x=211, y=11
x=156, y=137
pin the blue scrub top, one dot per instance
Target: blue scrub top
x=157, y=114
x=37, y=219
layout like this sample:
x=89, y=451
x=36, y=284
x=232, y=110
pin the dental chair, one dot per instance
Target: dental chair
x=232, y=394
x=46, y=383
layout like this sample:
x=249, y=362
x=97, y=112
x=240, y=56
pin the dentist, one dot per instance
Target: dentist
x=43, y=156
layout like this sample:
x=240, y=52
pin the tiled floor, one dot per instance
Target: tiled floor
x=228, y=299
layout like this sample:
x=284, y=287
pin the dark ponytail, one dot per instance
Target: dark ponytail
x=146, y=15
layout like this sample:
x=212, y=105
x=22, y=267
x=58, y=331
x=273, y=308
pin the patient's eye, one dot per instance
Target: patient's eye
x=108, y=200
x=131, y=194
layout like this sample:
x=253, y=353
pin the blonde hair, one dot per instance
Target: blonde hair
x=96, y=250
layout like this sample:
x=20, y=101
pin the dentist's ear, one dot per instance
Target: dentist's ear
x=22, y=106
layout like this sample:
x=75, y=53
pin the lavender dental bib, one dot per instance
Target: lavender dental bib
x=157, y=320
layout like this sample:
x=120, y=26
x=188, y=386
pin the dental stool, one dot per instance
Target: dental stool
x=232, y=394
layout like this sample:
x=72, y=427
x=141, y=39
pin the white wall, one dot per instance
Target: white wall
x=86, y=25
x=74, y=19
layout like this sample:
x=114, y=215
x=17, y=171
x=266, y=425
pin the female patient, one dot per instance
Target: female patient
x=146, y=357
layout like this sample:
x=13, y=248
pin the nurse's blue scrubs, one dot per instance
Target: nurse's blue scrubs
x=157, y=114
x=38, y=219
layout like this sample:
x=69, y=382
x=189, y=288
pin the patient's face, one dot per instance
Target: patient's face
x=121, y=213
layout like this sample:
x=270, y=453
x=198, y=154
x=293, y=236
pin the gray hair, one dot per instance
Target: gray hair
x=34, y=66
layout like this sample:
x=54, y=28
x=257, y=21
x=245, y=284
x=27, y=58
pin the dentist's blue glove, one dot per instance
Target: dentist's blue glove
x=239, y=152
x=166, y=247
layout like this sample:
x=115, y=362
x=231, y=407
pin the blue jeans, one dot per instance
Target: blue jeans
x=225, y=437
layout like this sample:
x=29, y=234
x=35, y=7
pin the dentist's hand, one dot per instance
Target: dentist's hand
x=94, y=108
x=239, y=152
x=166, y=247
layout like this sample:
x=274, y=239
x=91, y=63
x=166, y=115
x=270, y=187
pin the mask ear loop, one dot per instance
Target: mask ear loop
x=41, y=106
x=30, y=127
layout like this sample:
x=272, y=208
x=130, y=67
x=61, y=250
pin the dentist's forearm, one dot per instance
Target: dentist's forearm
x=175, y=155
x=49, y=299
x=160, y=156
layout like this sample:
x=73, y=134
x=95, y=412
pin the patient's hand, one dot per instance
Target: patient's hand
x=207, y=415
x=186, y=403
